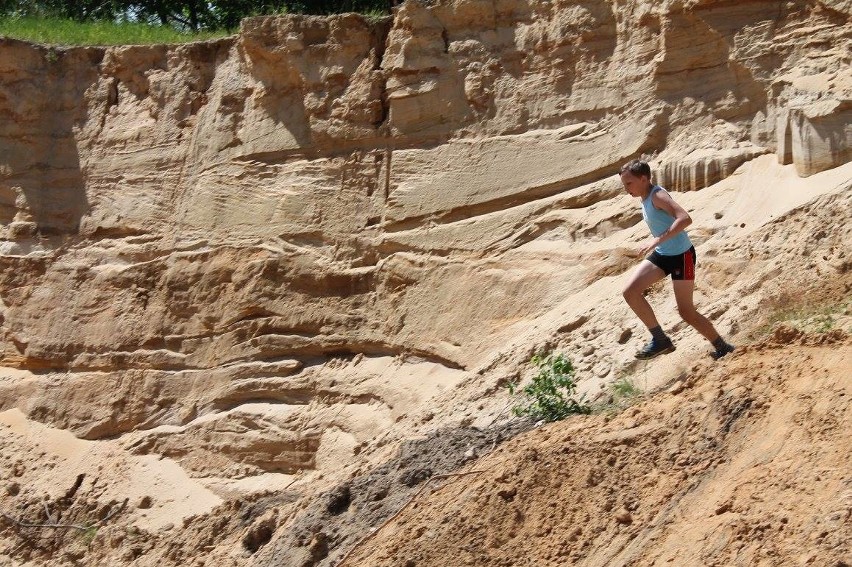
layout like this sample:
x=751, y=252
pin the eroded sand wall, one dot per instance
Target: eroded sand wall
x=282, y=252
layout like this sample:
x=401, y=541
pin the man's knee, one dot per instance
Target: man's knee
x=687, y=313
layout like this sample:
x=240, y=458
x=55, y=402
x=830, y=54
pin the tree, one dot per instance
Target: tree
x=190, y=15
x=80, y=10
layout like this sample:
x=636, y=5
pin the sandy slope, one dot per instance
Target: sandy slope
x=735, y=438
x=743, y=463
x=106, y=468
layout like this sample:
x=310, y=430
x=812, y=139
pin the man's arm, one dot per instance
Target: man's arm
x=662, y=200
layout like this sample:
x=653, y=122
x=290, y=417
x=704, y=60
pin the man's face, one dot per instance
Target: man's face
x=635, y=185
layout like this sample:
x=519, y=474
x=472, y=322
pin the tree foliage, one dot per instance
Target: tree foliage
x=188, y=15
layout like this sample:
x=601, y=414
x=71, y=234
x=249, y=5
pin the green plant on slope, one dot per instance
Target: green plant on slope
x=789, y=309
x=824, y=323
x=89, y=534
x=550, y=396
x=624, y=389
x=621, y=394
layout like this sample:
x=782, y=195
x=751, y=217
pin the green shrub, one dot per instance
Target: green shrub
x=550, y=395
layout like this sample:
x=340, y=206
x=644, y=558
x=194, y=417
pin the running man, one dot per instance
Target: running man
x=669, y=252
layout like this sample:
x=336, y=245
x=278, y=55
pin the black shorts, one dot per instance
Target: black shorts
x=679, y=266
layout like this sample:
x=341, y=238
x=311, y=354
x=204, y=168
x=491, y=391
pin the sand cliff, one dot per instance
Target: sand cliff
x=236, y=274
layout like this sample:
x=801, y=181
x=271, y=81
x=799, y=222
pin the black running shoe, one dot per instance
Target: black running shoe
x=720, y=352
x=655, y=348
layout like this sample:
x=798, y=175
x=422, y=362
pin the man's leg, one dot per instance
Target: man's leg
x=683, y=291
x=646, y=275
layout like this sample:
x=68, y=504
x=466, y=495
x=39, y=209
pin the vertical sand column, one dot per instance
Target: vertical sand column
x=821, y=136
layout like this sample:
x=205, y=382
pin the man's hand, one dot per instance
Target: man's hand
x=649, y=246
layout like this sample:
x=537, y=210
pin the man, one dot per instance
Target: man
x=670, y=252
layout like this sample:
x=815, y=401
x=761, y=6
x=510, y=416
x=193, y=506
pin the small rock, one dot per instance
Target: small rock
x=470, y=453
x=19, y=230
x=261, y=532
x=415, y=477
x=339, y=499
x=380, y=494
x=507, y=494
x=593, y=478
x=144, y=503
x=603, y=397
x=623, y=517
x=676, y=388
x=318, y=547
x=13, y=489
x=717, y=216
x=624, y=336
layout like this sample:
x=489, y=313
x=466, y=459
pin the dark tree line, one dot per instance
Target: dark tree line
x=191, y=15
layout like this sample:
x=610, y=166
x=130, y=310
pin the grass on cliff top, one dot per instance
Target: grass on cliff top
x=64, y=32
x=57, y=31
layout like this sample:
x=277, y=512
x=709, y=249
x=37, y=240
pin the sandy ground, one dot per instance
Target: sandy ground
x=107, y=469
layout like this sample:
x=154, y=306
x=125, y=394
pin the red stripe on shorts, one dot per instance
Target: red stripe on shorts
x=688, y=266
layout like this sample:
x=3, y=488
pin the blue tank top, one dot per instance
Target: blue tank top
x=659, y=221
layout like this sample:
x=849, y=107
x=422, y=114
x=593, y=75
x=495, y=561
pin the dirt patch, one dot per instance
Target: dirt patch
x=337, y=520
